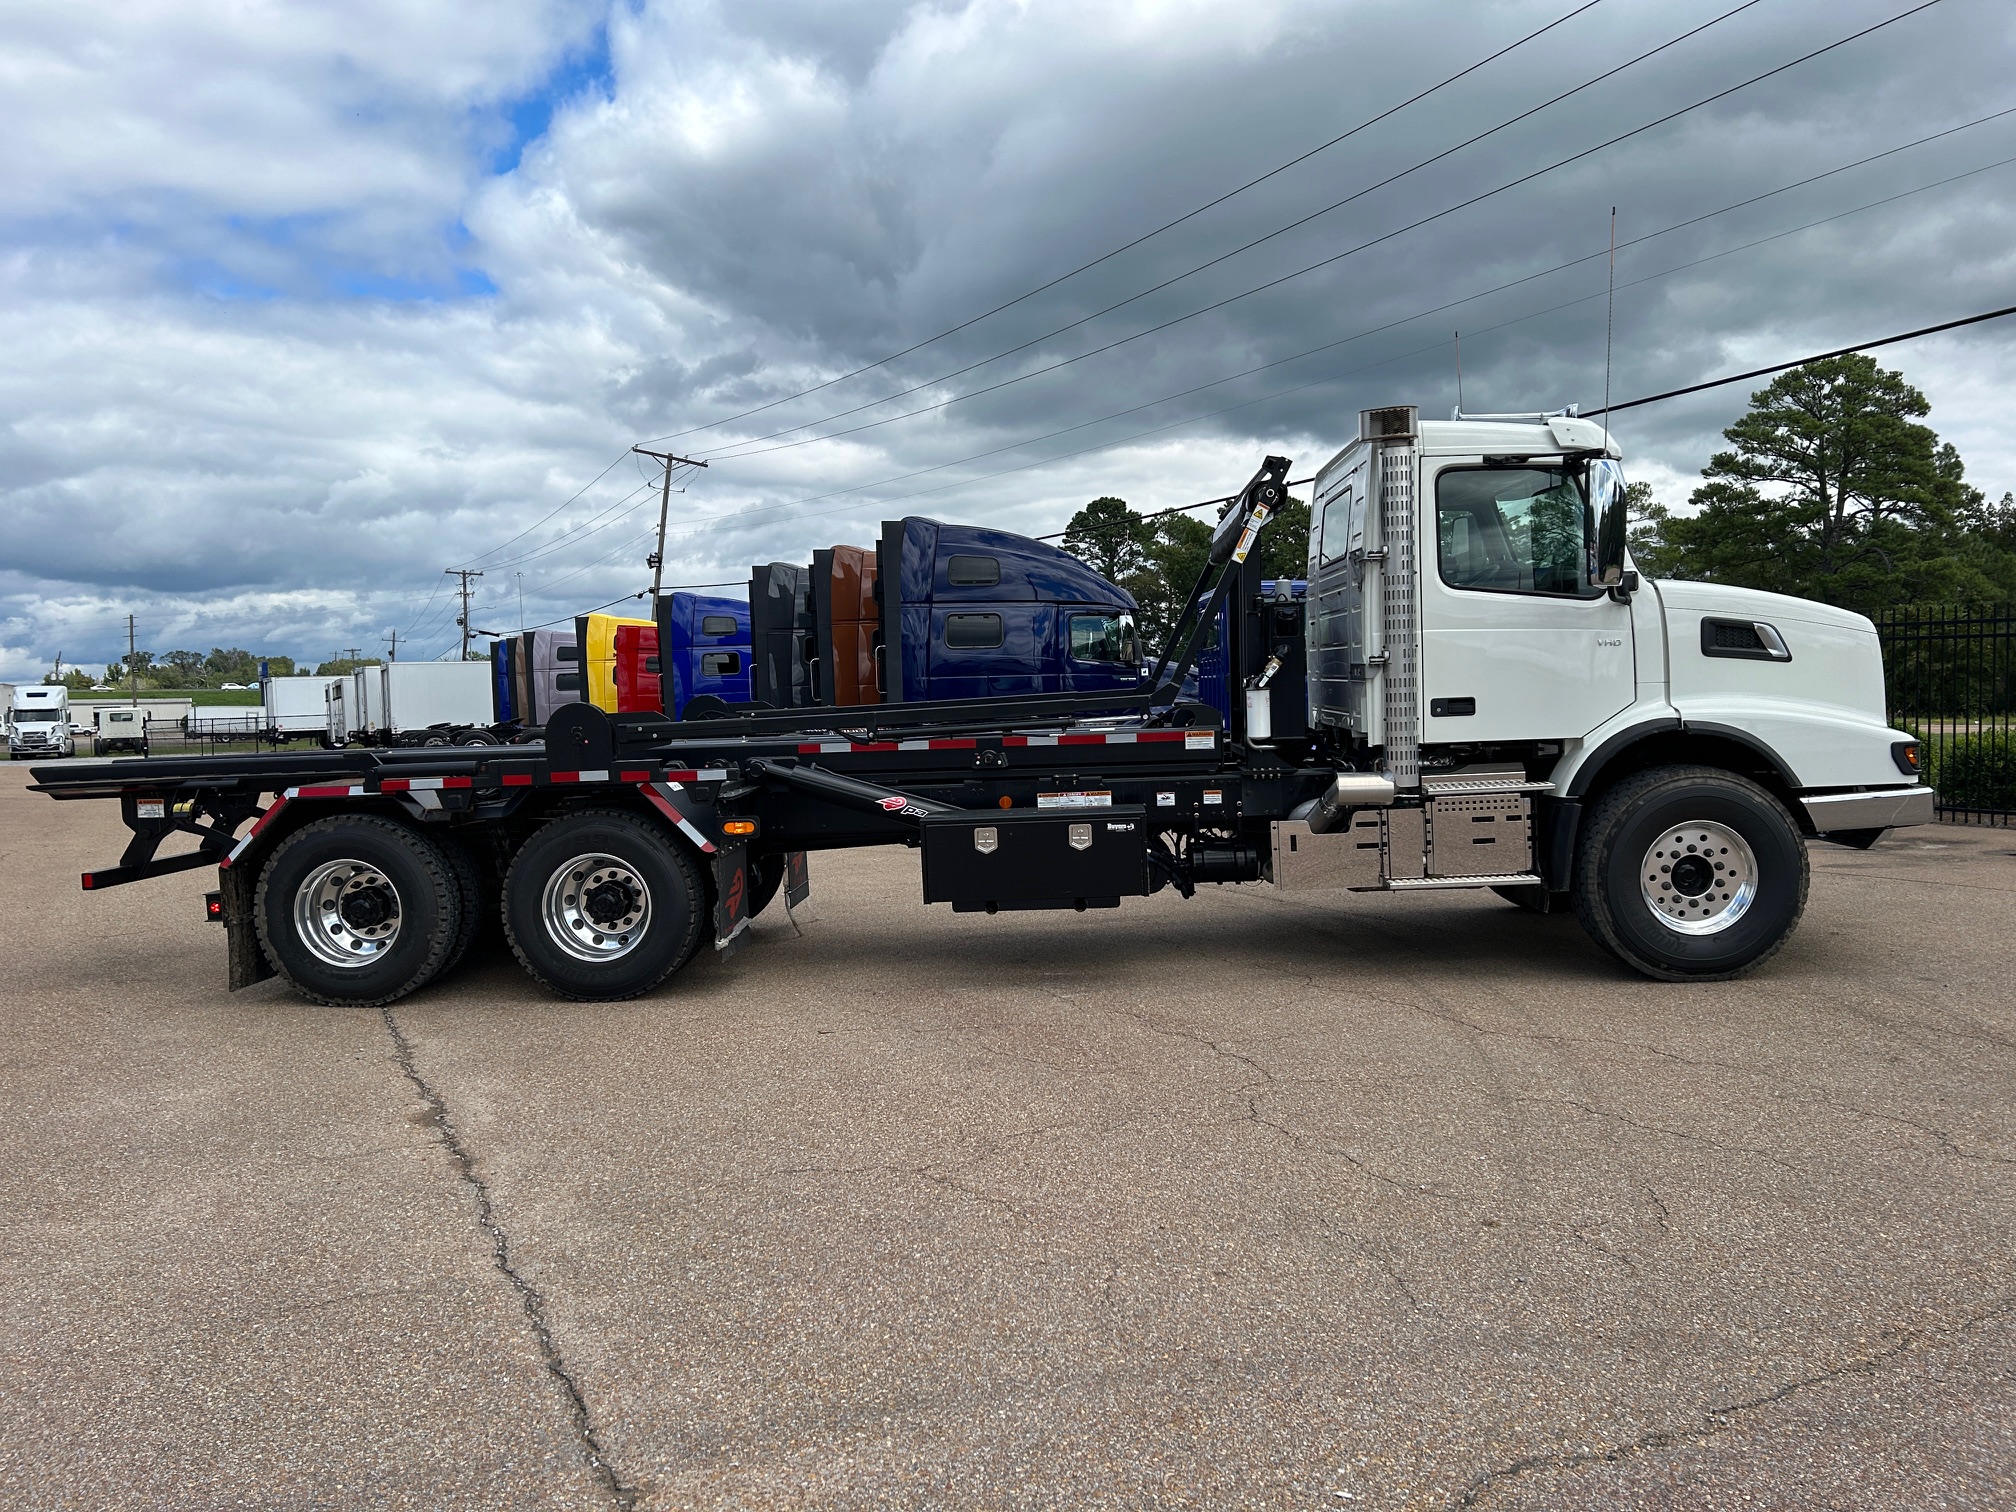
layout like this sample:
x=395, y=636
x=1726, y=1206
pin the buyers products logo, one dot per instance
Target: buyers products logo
x=892, y=804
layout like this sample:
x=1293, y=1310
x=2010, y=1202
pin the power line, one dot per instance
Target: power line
x=1779, y=367
x=1376, y=241
x=545, y=517
x=1148, y=235
x=1236, y=251
x=641, y=593
x=1408, y=319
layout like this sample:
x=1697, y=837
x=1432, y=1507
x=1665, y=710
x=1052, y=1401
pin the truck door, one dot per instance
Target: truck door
x=1102, y=650
x=1343, y=594
x=1517, y=641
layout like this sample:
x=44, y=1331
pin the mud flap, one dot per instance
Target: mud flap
x=797, y=879
x=731, y=899
x=246, y=963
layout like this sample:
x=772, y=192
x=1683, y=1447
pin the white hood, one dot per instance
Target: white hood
x=1754, y=603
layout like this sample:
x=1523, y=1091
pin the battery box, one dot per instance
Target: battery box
x=980, y=860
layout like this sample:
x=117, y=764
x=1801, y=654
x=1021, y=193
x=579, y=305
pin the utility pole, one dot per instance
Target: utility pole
x=657, y=558
x=132, y=670
x=521, y=602
x=395, y=646
x=462, y=619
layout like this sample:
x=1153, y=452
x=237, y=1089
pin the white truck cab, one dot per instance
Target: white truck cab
x=39, y=724
x=121, y=729
x=1479, y=639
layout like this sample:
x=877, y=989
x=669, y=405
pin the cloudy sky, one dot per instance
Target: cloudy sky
x=304, y=303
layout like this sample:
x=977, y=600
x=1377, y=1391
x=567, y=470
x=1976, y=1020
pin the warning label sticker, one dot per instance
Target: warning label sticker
x=1074, y=800
x=1200, y=740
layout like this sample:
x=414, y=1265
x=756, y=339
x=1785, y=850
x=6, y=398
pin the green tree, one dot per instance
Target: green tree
x=1831, y=490
x=278, y=666
x=1175, y=555
x=140, y=663
x=1646, y=532
x=343, y=665
x=233, y=665
x=181, y=669
x=1284, y=542
x=1109, y=538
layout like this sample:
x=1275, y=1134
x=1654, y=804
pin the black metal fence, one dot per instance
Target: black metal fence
x=1951, y=676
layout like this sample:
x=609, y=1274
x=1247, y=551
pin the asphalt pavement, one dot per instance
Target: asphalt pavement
x=1258, y=1201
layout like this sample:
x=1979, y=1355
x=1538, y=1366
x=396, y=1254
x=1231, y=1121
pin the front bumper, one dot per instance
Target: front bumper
x=1888, y=808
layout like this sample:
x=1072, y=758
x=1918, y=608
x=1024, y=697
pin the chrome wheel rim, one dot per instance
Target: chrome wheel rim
x=596, y=907
x=1698, y=878
x=347, y=913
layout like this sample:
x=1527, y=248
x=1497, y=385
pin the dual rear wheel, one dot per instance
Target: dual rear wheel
x=361, y=910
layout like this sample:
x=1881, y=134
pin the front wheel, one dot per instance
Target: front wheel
x=1690, y=874
x=602, y=905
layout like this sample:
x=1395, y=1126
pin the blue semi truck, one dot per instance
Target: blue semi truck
x=932, y=612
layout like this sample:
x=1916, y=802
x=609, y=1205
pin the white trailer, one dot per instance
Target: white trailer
x=435, y=702
x=295, y=705
x=412, y=703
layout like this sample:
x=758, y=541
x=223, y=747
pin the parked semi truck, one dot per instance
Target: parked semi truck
x=935, y=612
x=1486, y=695
x=38, y=723
x=703, y=639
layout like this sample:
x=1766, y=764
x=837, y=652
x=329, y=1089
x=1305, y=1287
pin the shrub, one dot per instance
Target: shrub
x=1974, y=771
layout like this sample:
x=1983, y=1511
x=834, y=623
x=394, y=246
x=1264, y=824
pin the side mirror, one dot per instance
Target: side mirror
x=1606, y=495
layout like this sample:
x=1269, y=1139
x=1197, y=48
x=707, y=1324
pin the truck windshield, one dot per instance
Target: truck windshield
x=43, y=715
x=1516, y=530
x=1105, y=638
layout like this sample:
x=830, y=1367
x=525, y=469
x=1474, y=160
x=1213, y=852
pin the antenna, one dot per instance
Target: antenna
x=1459, y=377
x=1609, y=316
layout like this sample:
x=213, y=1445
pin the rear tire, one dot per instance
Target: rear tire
x=477, y=902
x=357, y=911
x=1690, y=874
x=602, y=905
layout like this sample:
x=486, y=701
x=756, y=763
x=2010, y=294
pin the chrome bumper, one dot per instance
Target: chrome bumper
x=1889, y=809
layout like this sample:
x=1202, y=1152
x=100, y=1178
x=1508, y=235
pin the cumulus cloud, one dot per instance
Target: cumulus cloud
x=304, y=306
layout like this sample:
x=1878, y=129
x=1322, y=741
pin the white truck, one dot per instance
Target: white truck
x=411, y=703
x=295, y=706
x=1478, y=691
x=120, y=728
x=38, y=723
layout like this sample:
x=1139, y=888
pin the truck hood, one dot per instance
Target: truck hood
x=1753, y=603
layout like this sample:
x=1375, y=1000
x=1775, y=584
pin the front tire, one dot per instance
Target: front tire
x=602, y=905
x=357, y=911
x=1690, y=874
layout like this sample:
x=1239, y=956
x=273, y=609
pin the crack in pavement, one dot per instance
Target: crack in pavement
x=1249, y=1094
x=624, y=1495
x=1716, y=1420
